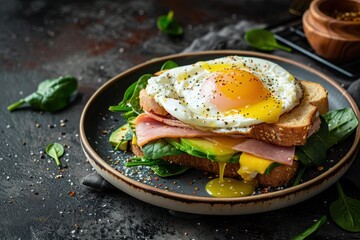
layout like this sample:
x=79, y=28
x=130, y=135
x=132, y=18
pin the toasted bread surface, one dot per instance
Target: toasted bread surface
x=293, y=127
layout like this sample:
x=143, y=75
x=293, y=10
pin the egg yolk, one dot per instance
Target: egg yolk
x=239, y=91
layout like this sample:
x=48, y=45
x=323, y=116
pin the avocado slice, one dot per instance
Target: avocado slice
x=119, y=138
x=203, y=148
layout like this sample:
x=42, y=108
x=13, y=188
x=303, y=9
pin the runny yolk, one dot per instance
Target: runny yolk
x=239, y=91
x=228, y=187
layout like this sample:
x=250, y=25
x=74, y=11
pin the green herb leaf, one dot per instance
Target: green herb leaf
x=168, y=25
x=168, y=170
x=299, y=176
x=341, y=124
x=51, y=95
x=271, y=167
x=159, y=148
x=161, y=167
x=169, y=65
x=263, y=40
x=130, y=103
x=345, y=211
x=335, y=126
x=134, y=101
x=55, y=150
x=122, y=106
x=310, y=231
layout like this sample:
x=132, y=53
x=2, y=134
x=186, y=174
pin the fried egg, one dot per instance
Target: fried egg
x=228, y=94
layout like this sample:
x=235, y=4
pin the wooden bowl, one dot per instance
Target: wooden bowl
x=329, y=33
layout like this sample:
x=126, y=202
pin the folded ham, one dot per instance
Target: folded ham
x=148, y=129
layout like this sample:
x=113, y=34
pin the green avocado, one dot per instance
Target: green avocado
x=203, y=148
x=118, y=138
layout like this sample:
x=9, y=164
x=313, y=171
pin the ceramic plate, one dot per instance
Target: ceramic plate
x=186, y=193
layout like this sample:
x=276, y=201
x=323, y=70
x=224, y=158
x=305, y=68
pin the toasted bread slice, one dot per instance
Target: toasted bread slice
x=279, y=176
x=293, y=127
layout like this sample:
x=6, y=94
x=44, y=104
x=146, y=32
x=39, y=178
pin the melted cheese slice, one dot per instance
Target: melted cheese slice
x=251, y=165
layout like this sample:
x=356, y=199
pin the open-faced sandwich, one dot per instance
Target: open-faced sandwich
x=246, y=119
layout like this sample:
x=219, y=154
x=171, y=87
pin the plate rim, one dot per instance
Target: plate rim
x=343, y=162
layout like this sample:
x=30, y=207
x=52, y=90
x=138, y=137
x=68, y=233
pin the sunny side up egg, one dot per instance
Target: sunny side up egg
x=227, y=94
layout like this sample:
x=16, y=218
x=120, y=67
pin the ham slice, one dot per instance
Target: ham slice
x=148, y=129
x=169, y=121
x=280, y=154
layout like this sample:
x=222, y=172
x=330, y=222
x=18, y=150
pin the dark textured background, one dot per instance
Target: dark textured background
x=94, y=41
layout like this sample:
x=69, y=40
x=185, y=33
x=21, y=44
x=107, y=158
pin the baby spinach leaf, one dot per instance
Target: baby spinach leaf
x=159, y=148
x=345, y=211
x=168, y=25
x=122, y=106
x=55, y=150
x=311, y=230
x=51, y=95
x=169, y=65
x=168, y=170
x=263, y=40
x=161, y=167
x=130, y=103
x=134, y=101
x=271, y=167
x=299, y=176
x=335, y=126
x=341, y=124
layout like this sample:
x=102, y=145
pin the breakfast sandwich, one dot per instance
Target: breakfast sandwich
x=239, y=117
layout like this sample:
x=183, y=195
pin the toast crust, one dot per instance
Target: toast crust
x=293, y=128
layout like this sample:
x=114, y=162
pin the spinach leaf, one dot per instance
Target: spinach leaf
x=311, y=230
x=271, y=167
x=169, y=170
x=263, y=40
x=341, y=124
x=169, y=65
x=159, y=148
x=161, y=167
x=134, y=101
x=299, y=176
x=130, y=103
x=55, y=150
x=168, y=25
x=122, y=106
x=335, y=126
x=345, y=211
x=51, y=95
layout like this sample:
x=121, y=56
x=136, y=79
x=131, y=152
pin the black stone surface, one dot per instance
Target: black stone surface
x=94, y=41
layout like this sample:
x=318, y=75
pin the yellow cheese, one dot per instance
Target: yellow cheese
x=251, y=165
x=134, y=140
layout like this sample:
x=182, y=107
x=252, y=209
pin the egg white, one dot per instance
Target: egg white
x=180, y=92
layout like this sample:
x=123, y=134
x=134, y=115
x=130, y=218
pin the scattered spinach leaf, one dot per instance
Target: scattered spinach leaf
x=169, y=65
x=55, y=150
x=263, y=40
x=311, y=230
x=345, y=211
x=168, y=25
x=51, y=95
